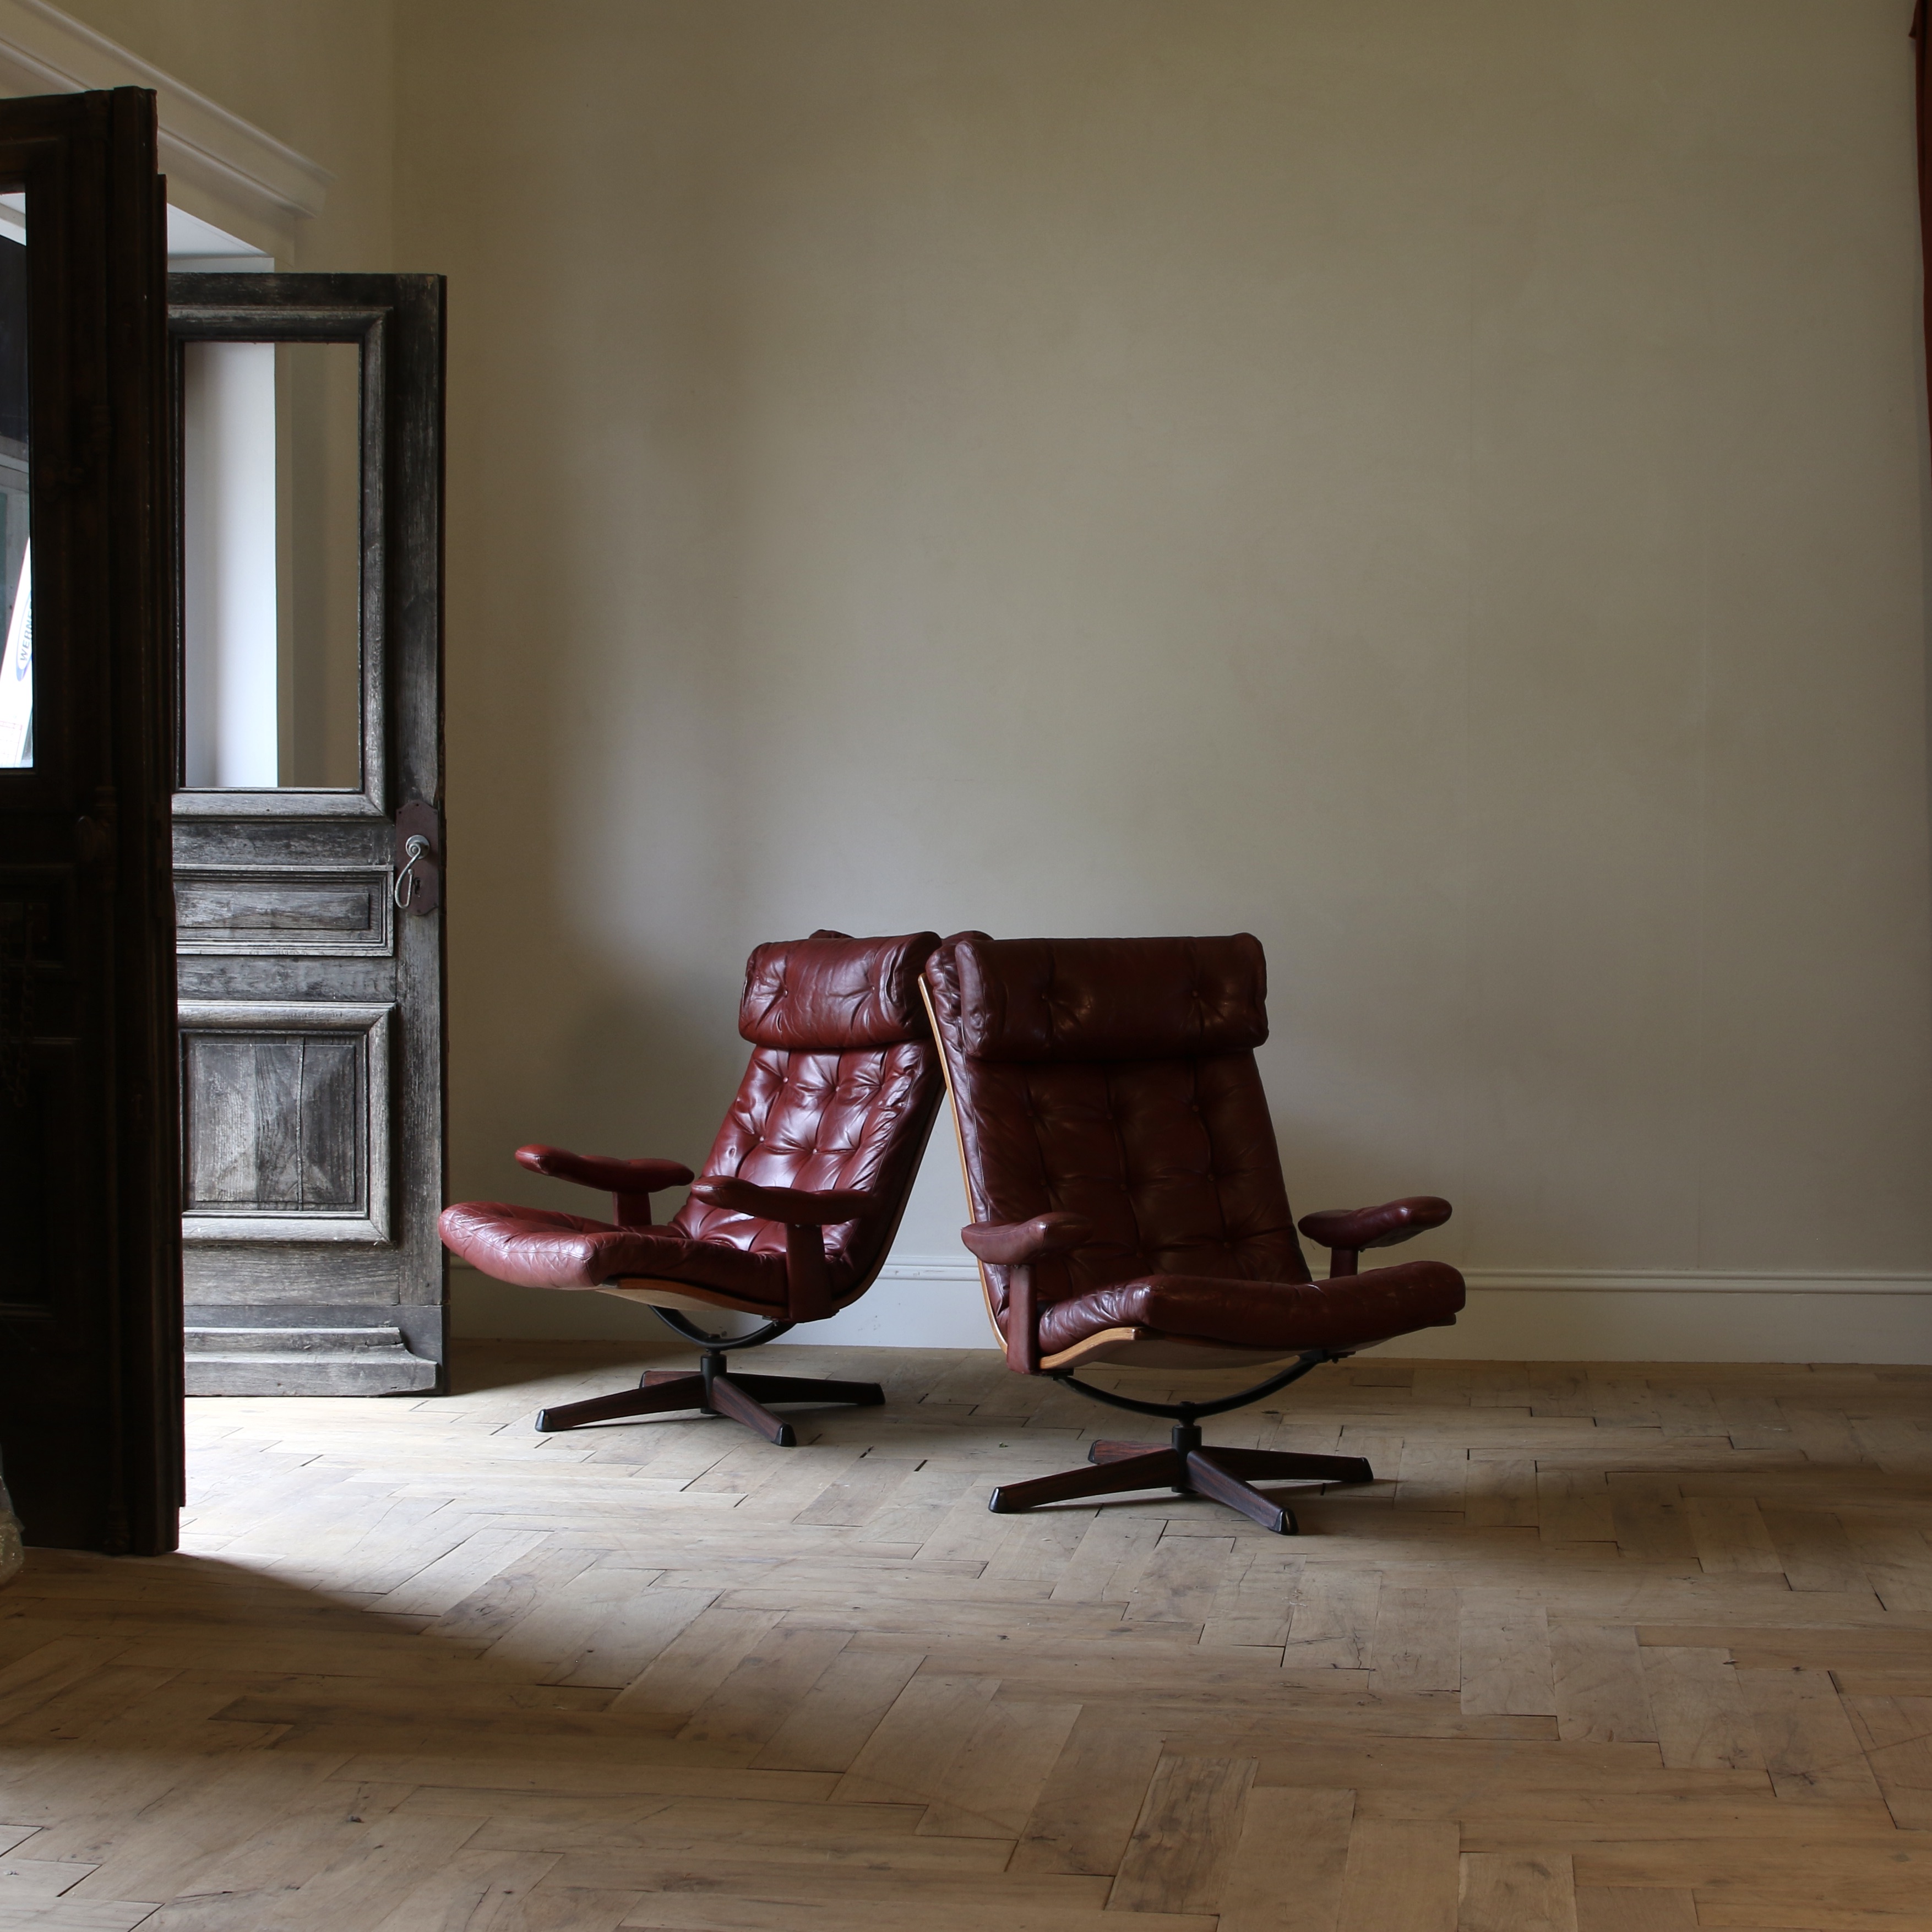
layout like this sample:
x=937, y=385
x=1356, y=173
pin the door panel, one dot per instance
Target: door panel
x=312, y=1026
x=90, y=1310
x=246, y=912
x=286, y=1120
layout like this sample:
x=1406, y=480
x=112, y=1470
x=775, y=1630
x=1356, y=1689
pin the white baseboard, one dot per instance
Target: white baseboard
x=933, y=1301
x=1700, y=1281
x=1556, y=1281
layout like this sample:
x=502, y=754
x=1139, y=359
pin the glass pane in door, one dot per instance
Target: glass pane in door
x=16, y=603
x=271, y=572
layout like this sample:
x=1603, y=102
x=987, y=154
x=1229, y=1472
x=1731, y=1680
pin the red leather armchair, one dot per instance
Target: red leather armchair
x=1127, y=1198
x=799, y=1198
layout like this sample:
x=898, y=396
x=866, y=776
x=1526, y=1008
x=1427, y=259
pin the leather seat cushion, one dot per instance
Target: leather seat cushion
x=1352, y=1312
x=537, y=1248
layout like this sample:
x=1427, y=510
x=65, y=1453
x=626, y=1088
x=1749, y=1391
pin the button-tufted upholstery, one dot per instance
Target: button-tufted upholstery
x=1115, y=1080
x=840, y=1094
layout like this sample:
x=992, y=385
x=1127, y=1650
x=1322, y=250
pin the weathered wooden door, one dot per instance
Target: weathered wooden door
x=90, y=1308
x=307, y=839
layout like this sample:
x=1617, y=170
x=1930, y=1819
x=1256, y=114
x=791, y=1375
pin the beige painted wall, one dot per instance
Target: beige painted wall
x=1438, y=484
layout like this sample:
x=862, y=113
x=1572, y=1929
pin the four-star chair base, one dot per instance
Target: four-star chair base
x=712, y=1392
x=1187, y=1468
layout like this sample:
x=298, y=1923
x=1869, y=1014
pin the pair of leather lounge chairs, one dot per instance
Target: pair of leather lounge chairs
x=1126, y=1192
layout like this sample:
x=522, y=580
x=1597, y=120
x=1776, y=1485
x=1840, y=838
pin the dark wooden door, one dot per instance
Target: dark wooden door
x=90, y=1308
x=308, y=859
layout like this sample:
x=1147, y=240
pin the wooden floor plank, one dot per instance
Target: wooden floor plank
x=1400, y=1874
x=1417, y=1644
x=472, y=1890
x=704, y=1651
x=828, y=1727
x=1652, y=1523
x=1806, y=1737
x=1505, y=1654
x=1517, y=1892
x=1086, y=1811
x=1182, y=1843
x=990, y=1788
x=907, y=1759
x=623, y=1628
x=1600, y=1695
x=1332, y=1625
x=1896, y=1733
x=1574, y=1506
x=769, y=1682
x=1635, y=1909
x=1702, y=1721
x=1730, y=1536
x=1288, y=1867
x=1500, y=1492
x=1176, y=1584
x=1812, y=1548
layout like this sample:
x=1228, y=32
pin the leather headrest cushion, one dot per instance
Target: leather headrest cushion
x=832, y=994
x=1109, y=999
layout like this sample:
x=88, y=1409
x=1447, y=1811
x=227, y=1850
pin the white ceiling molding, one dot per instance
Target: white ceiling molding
x=219, y=167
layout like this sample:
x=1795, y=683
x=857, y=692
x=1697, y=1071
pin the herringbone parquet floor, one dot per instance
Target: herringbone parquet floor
x=1619, y=1649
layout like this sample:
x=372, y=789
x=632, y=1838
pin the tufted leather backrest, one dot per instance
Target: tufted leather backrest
x=1116, y=1079
x=840, y=1092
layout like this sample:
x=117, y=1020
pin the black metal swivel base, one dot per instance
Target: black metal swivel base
x=1186, y=1466
x=712, y=1392
x=1189, y=1470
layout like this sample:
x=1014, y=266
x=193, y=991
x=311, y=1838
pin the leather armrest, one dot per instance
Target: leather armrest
x=600, y=1171
x=1014, y=1243
x=806, y=1213
x=1383, y=1227
x=1345, y=1231
x=796, y=1207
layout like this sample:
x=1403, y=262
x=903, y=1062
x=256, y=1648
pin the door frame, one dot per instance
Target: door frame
x=91, y=1374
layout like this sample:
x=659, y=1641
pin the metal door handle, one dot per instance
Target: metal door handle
x=405, y=889
x=418, y=852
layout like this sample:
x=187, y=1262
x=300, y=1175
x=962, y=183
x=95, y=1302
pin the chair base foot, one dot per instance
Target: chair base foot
x=711, y=1391
x=811, y=1388
x=1283, y=1466
x=1189, y=1470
